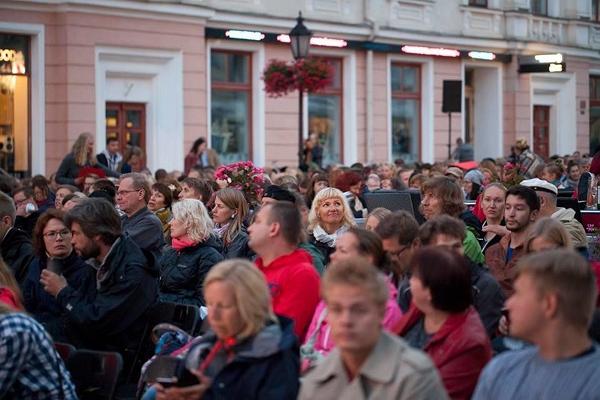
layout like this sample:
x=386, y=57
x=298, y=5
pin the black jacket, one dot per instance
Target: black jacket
x=488, y=297
x=238, y=248
x=17, y=252
x=264, y=367
x=182, y=272
x=110, y=315
x=323, y=248
x=145, y=229
x=41, y=304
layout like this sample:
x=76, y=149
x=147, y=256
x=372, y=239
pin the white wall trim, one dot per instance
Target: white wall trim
x=161, y=73
x=495, y=129
x=37, y=113
x=258, y=155
x=427, y=105
x=559, y=92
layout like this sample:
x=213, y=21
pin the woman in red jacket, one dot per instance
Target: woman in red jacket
x=442, y=322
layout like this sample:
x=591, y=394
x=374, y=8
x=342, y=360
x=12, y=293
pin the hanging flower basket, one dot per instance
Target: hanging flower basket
x=310, y=75
x=279, y=78
x=313, y=74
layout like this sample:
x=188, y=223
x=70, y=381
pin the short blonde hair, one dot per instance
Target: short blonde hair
x=193, y=214
x=549, y=229
x=567, y=273
x=252, y=296
x=356, y=272
x=325, y=194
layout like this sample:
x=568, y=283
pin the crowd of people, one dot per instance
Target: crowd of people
x=487, y=291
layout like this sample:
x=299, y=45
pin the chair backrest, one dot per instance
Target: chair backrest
x=64, y=350
x=95, y=373
x=184, y=316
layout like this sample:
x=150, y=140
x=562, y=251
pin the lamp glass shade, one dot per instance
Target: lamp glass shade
x=300, y=39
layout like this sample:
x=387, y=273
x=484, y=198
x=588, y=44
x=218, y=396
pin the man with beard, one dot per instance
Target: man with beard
x=107, y=312
x=522, y=207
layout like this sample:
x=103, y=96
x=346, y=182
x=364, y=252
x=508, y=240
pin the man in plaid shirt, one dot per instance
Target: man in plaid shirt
x=30, y=367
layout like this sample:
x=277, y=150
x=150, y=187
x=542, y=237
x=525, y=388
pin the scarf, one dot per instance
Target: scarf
x=226, y=345
x=326, y=238
x=181, y=243
x=220, y=230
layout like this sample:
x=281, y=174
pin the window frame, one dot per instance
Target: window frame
x=477, y=3
x=236, y=87
x=410, y=96
x=331, y=91
x=541, y=13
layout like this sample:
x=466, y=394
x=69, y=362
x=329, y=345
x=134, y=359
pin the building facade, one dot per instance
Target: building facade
x=159, y=74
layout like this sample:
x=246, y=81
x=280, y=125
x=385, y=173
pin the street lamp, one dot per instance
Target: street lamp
x=300, y=43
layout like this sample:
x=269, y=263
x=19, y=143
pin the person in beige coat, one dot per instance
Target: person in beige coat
x=367, y=362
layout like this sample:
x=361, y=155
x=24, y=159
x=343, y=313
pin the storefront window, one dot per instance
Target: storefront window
x=14, y=105
x=325, y=116
x=230, y=105
x=594, y=112
x=406, y=112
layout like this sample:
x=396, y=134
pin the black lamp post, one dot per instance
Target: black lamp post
x=300, y=43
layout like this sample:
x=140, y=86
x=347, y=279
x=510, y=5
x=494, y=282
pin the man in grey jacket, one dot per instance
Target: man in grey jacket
x=138, y=222
x=367, y=362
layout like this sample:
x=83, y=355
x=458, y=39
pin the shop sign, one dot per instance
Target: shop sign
x=13, y=54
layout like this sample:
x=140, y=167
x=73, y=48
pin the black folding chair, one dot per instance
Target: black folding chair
x=95, y=373
x=64, y=350
x=184, y=316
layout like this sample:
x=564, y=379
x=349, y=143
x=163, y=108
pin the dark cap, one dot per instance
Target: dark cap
x=280, y=194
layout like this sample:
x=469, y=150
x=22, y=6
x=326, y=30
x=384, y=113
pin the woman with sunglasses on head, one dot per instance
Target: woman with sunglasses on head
x=52, y=245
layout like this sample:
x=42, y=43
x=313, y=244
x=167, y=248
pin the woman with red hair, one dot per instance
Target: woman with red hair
x=351, y=184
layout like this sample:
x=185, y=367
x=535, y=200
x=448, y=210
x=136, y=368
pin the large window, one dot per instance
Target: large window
x=539, y=7
x=231, y=96
x=406, y=112
x=594, y=112
x=15, y=140
x=325, y=116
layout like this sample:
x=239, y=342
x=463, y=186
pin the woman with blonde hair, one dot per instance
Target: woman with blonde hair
x=547, y=234
x=194, y=251
x=248, y=353
x=329, y=217
x=81, y=156
x=229, y=213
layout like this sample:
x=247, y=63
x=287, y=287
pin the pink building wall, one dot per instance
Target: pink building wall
x=71, y=39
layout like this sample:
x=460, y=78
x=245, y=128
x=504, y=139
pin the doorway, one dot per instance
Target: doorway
x=541, y=130
x=127, y=123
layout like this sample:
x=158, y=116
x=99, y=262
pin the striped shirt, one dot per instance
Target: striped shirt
x=524, y=374
x=30, y=367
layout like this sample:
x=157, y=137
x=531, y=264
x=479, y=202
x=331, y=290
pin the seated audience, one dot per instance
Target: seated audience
x=442, y=321
x=193, y=252
x=160, y=204
x=10, y=293
x=552, y=306
x=375, y=217
x=367, y=362
x=15, y=245
x=248, y=353
x=228, y=214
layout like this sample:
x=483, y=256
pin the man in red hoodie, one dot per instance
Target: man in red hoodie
x=292, y=279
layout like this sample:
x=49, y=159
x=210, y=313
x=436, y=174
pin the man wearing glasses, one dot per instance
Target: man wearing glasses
x=398, y=233
x=139, y=222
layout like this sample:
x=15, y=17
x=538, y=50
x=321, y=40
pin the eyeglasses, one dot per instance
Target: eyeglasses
x=53, y=234
x=398, y=253
x=124, y=192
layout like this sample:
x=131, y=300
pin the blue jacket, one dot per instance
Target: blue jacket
x=38, y=302
x=182, y=272
x=110, y=314
x=264, y=367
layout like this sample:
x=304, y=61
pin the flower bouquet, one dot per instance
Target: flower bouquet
x=243, y=176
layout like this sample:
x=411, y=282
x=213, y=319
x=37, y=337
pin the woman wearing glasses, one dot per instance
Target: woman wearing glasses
x=52, y=245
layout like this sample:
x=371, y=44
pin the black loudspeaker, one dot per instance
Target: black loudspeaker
x=452, y=97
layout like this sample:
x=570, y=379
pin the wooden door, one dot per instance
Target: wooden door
x=127, y=122
x=541, y=130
